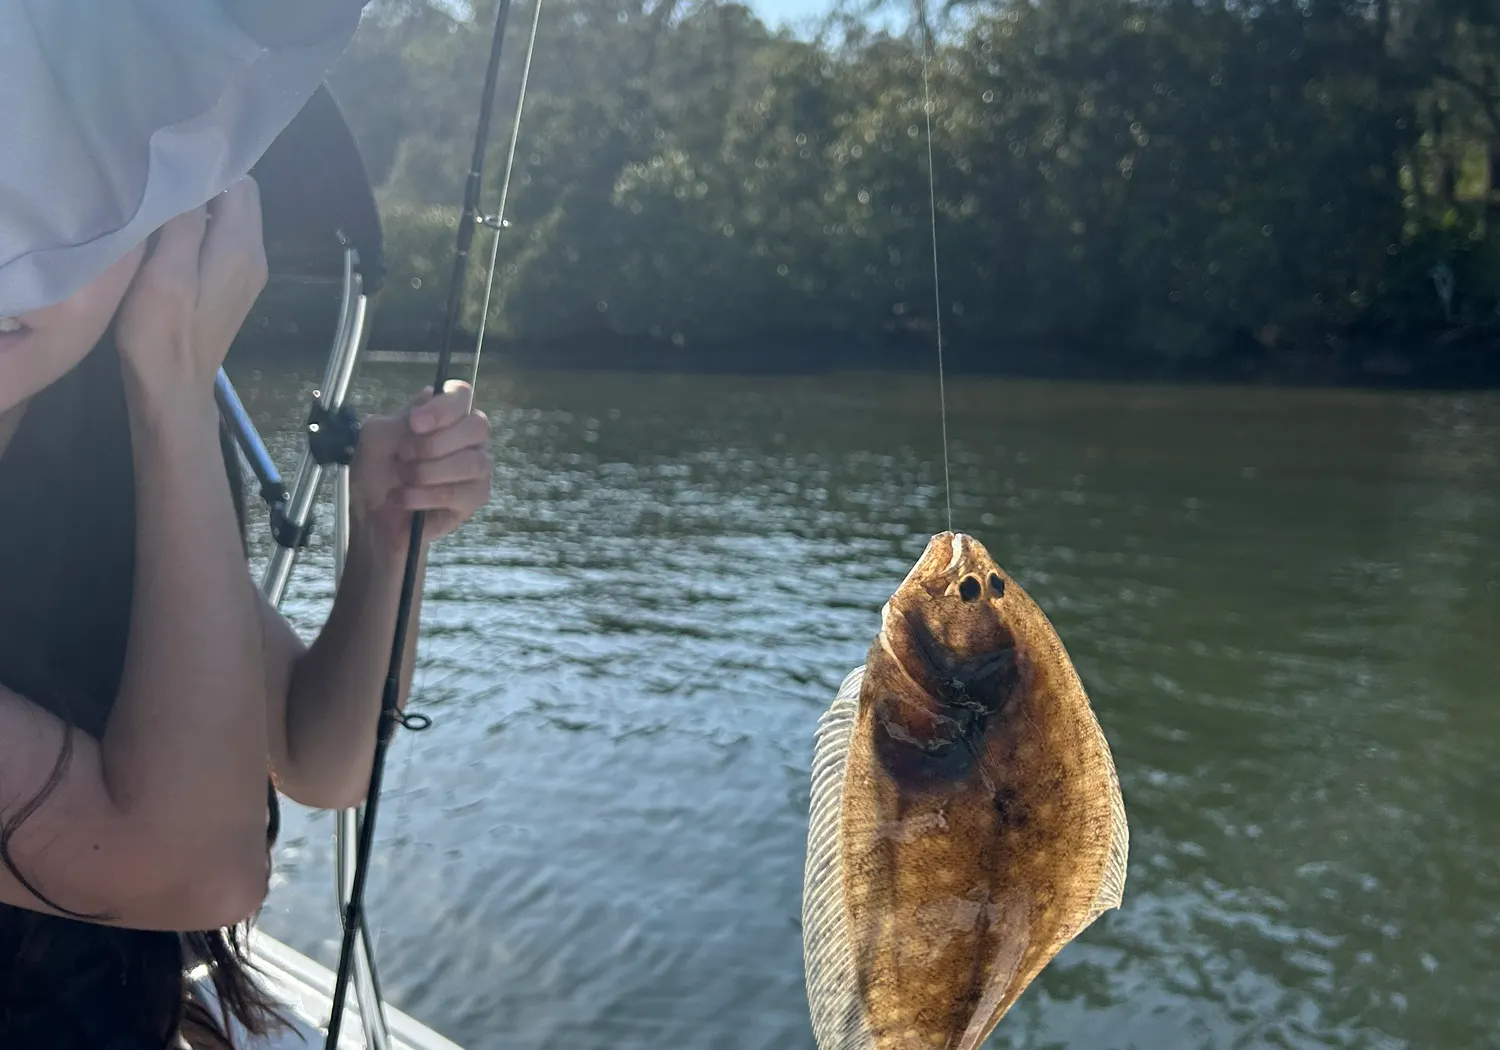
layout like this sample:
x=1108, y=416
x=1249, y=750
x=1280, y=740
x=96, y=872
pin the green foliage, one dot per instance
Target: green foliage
x=1159, y=178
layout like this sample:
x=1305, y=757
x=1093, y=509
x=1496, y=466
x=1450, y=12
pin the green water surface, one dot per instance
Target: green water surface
x=1284, y=605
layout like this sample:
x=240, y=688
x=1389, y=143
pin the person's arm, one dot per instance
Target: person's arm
x=323, y=732
x=162, y=823
x=325, y=698
x=88, y=855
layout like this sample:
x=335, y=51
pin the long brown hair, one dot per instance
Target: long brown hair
x=71, y=970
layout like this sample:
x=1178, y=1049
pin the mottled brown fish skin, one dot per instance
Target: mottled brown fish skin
x=977, y=813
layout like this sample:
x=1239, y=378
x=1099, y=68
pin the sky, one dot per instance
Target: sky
x=795, y=14
x=798, y=14
x=786, y=12
x=792, y=12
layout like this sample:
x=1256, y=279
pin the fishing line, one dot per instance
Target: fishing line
x=497, y=222
x=390, y=715
x=937, y=293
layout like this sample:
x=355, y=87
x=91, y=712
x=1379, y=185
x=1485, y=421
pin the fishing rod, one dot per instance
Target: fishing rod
x=390, y=716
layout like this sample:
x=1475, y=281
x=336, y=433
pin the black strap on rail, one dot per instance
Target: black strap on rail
x=333, y=436
x=390, y=717
x=285, y=531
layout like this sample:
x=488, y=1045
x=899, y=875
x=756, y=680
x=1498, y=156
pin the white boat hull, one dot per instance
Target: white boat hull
x=305, y=989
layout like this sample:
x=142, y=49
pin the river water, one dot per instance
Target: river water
x=1284, y=605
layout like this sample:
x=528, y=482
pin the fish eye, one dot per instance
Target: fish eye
x=968, y=588
x=997, y=585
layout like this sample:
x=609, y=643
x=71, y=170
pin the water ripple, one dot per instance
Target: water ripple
x=1283, y=605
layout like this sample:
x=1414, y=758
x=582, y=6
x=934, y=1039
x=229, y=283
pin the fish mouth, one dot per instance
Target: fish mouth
x=931, y=561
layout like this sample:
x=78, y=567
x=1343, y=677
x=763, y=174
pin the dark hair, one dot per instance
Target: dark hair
x=62, y=965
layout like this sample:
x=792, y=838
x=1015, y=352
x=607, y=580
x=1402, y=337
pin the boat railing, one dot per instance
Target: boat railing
x=290, y=517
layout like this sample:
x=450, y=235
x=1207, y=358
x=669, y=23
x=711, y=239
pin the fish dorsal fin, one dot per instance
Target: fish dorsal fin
x=1112, y=880
x=838, y=1019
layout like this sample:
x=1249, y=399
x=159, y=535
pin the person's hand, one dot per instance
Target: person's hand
x=194, y=291
x=433, y=457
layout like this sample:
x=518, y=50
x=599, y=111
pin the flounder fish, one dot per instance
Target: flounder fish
x=966, y=820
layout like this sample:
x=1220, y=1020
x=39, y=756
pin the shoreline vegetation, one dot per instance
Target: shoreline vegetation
x=1455, y=359
x=1296, y=192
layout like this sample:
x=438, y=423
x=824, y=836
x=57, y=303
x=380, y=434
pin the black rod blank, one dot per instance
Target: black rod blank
x=389, y=717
